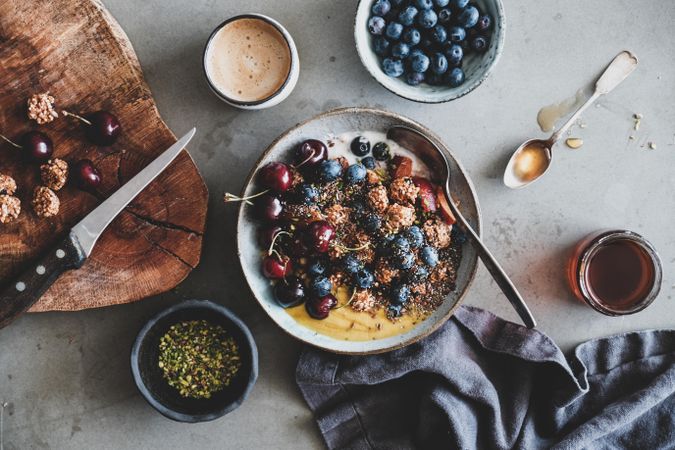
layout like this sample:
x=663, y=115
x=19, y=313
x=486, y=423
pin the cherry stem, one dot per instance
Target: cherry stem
x=351, y=299
x=274, y=240
x=278, y=255
x=227, y=197
x=356, y=249
x=66, y=113
x=10, y=141
x=311, y=155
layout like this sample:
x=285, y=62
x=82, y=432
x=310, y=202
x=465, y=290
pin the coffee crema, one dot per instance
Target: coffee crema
x=248, y=60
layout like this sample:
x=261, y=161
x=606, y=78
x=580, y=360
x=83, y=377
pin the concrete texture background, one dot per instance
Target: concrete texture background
x=65, y=376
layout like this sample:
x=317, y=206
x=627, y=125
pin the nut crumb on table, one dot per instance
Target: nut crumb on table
x=45, y=202
x=7, y=185
x=54, y=173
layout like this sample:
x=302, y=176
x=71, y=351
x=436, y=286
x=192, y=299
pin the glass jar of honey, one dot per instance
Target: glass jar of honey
x=616, y=272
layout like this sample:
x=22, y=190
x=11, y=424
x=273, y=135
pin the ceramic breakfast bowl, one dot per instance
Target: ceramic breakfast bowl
x=166, y=399
x=476, y=67
x=334, y=123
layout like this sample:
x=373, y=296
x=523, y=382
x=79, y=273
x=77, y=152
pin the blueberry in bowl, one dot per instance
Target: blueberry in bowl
x=430, y=51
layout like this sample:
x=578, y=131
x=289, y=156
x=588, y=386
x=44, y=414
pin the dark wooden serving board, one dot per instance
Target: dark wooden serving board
x=77, y=51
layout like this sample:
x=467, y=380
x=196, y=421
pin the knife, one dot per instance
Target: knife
x=72, y=251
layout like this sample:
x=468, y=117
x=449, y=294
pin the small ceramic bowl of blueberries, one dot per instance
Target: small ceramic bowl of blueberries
x=429, y=51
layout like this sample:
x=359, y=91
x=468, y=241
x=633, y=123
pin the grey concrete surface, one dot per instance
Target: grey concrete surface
x=66, y=377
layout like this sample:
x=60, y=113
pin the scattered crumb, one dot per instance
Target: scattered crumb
x=637, y=117
x=574, y=142
x=631, y=137
x=652, y=146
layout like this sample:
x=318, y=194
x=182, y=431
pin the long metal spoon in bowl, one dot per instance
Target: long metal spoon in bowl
x=435, y=159
x=533, y=157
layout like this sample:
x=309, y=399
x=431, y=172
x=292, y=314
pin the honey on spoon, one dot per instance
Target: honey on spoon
x=531, y=160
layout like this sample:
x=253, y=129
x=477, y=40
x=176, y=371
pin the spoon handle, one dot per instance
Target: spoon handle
x=495, y=269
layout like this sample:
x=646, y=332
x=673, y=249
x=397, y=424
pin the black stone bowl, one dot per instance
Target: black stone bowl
x=166, y=399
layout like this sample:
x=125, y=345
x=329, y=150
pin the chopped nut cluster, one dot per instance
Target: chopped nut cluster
x=337, y=215
x=54, y=174
x=399, y=216
x=437, y=233
x=378, y=198
x=45, y=202
x=363, y=300
x=41, y=108
x=7, y=185
x=403, y=190
x=10, y=208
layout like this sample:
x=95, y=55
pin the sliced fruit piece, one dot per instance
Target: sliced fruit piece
x=427, y=194
x=401, y=166
x=442, y=202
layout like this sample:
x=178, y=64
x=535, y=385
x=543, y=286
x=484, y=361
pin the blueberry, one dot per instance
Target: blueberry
x=411, y=36
x=403, y=260
x=439, y=34
x=414, y=78
x=407, y=16
x=400, y=50
x=358, y=207
x=479, y=44
x=455, y=77
x=381, y=7
x=355, y=173
x=360, y=146
x=400, y=294
x=418, y=274
x=351, y=264
x=400, y=244
x=392, y=67
x=454, y=54
x=484, y=22
x=376, y=25
x=371, y=223
x=320, y=286
x=444, y=15
x=380, y=45
x=316, y=267
x=441, y=3
x=439, y=64
x=424, y=4
x=308, y=194
x=458, y=4
x=427, y=18
x=363, y=279
x=415, y=236
x=369, y=162
x=456, y=34
x=419, y=62
x=429, y=256
x=329, y=170
x=468, y=18
x=394, y=30
x=396, y=3
x=381, y=151
x=457, y=235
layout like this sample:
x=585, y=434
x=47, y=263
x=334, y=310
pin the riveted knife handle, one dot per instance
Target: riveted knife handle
x=19, y=295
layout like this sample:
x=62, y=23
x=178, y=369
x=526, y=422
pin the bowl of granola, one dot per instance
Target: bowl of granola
x=345, y=238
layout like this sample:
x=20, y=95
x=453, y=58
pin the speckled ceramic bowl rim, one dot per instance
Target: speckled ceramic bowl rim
x=501, y=17
x=194, y=418
x=431, y=135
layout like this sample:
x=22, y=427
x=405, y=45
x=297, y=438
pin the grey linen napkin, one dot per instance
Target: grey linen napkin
x=482, y=382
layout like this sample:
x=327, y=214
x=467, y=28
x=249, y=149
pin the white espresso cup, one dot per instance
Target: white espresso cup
x=251, y=62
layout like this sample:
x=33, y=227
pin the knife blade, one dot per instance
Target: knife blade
x=71, y=252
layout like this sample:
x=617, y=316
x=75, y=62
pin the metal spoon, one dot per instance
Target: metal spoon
x=435, y=159
x=533, y=157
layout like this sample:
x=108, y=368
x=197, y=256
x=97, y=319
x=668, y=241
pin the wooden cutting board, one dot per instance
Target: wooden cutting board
x=77, y=51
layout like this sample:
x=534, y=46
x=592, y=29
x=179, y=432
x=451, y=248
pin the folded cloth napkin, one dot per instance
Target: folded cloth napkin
x=481, y=382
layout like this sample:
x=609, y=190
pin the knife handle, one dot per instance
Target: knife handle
x=27, y=288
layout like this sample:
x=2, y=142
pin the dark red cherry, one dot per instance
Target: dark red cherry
x=268, y=208
x=275, y=176
x=319, y=235
x=37, y=146
x=310, y=153
x=290, y=292
x=319, y=307
x=86, y=175
x=275, y=267
x=104, y=128
x=267, y=234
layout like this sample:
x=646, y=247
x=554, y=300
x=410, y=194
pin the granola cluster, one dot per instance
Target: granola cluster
x=10, y=208
x=41, y=108
x=45, y=202
x=54, y=174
